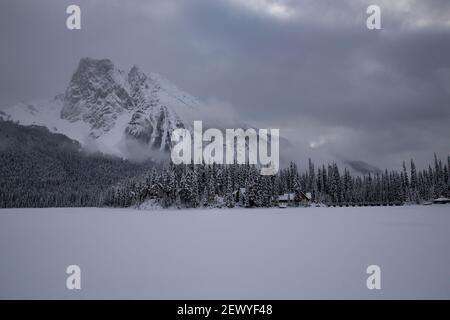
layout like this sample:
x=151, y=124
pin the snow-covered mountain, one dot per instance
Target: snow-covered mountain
x=114, y=111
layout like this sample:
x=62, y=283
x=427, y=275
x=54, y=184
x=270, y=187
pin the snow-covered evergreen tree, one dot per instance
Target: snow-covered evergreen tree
x=229, y=196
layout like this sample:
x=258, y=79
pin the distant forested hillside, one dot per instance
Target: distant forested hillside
x=42, y=169
x=39, y=168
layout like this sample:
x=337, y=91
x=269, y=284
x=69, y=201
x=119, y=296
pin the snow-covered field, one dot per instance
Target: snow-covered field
x=259, y=254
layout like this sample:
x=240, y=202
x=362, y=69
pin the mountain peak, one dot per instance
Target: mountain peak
x=136, y=76
x=89, y=70
x=96, y=94
x=88, y=63
x=117, y=111
x=135, y=69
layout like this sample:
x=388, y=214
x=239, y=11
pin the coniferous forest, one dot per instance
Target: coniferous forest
x=43, y=169
x=189, y=186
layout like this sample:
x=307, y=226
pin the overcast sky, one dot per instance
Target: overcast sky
x=309, y=67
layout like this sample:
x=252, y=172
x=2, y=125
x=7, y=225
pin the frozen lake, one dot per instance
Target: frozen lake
x=230, y=254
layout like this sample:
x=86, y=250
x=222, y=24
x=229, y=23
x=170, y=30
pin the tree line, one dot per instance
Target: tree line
x=192, y=186
x=43, y=169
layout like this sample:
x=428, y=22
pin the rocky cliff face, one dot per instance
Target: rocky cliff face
x=97, y=95
x=110, y=106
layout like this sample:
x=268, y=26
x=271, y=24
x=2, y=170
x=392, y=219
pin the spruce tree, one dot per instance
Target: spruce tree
x=229, y=196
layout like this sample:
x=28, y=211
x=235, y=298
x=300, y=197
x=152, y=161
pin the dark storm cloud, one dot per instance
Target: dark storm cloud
x=312, y=68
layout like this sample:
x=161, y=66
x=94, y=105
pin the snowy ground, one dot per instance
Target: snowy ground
x=259, y=254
